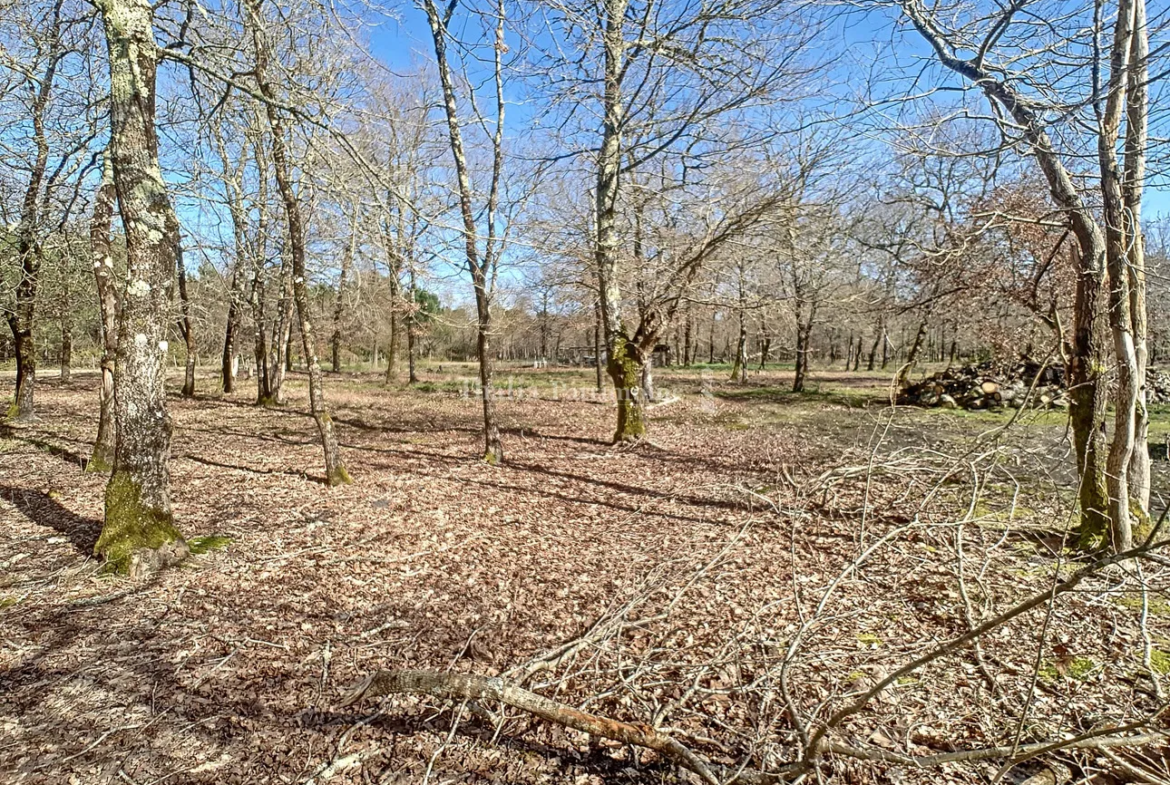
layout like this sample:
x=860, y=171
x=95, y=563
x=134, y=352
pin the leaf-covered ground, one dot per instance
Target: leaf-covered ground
x=696, y=566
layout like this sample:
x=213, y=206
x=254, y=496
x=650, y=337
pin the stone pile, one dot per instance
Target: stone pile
x=1157, y=386
x=993, y=384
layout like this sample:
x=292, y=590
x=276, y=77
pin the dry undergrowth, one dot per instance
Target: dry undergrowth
x=693, y=567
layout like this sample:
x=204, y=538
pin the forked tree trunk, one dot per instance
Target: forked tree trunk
x=335, y=472
x=1118, y=304
x=482, y=267
x=102, y=457
x=139, y=532
x=186, y=330
x=1133, y=183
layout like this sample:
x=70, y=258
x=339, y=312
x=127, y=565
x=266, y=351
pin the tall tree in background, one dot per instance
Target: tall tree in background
x=139, y=533
x=668, y=80
x=335, y=472
x=40, y=74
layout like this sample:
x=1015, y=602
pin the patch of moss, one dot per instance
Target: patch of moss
x=339, y=476
x=1077, y=668
x=1160, y=662
x=1133, y=601
x=869, y=639
x=131, y=525
x=13, y=411
x=97, y=464
x=7, y=602
x=210, y=542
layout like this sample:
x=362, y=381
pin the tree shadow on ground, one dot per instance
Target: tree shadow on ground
x=35, y=440
x=43, y=509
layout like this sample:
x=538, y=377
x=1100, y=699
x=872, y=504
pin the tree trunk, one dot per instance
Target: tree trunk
x=412, y=336
x=648, y=378
x=227, y=366
x=801, y=370
x=185, y=329
x=625, y=371
x=335, y=472
x=139, y=532
x=66, y=329
x=687, y=328
x=281, y=330
x=912, y=356
x=711, y=341
x=598, y=361
x=1133, y=183
x=739, y=369
x=102, y=457
x=481, y=267
x=493, y=451
x=28, y=249
x=871, y=363
x=339, y=306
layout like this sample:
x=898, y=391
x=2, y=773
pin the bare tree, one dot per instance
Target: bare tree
x=139, y=533
x=335, y=472
x=1016, y=88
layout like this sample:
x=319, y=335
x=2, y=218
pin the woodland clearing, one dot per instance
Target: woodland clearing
x=689, y=569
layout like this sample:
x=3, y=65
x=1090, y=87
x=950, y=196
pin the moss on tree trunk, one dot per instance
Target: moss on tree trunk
x=137, y=537
x=625, y=369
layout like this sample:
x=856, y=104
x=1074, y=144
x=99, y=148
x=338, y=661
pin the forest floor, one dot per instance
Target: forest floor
x=823, y=537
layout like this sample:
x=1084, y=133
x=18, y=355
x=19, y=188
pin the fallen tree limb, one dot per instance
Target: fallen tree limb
x=465, y=686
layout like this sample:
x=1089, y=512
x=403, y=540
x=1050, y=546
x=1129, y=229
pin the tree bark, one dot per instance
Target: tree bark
x=335, y=472
x=102, y=457
x=139, y=532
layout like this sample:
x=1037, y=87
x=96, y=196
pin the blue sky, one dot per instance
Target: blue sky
x=854, y=43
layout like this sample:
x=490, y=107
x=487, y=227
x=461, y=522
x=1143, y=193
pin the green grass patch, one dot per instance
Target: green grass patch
x=1077, y=668
x=1160, y=662
x=1133, y=601
x=7, y=602
x=207, y=543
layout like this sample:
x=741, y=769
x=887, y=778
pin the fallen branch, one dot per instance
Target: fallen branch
x=464, y=686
